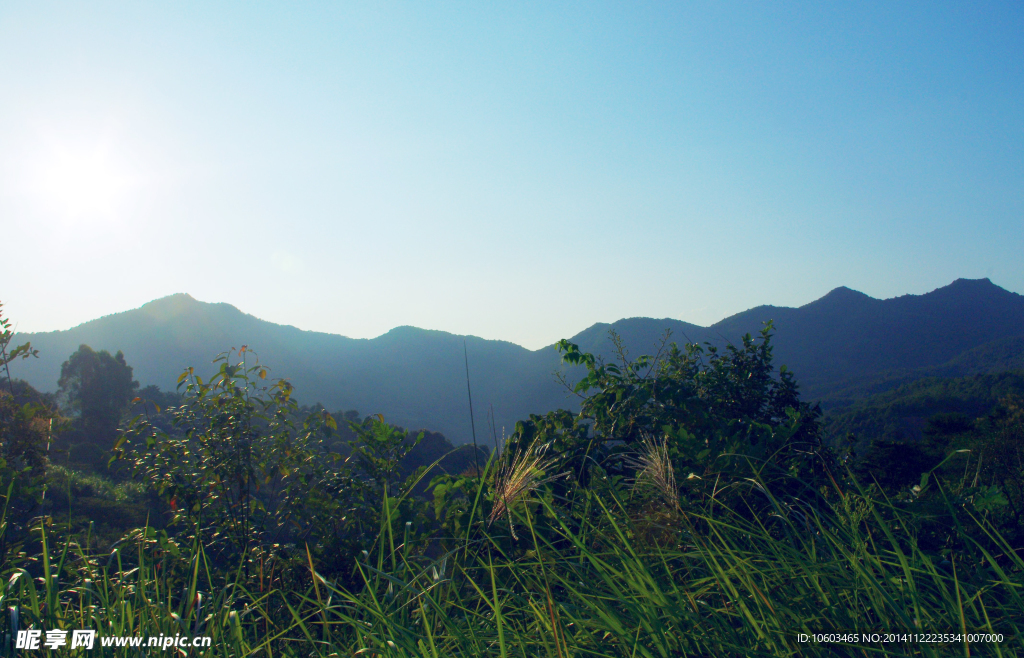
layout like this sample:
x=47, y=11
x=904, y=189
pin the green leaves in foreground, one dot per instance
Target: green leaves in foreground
x=681, y=514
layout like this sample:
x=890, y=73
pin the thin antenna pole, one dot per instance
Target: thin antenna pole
x=472, y=422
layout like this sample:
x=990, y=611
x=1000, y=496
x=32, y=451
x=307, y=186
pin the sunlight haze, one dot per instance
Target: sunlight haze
x=511, y=173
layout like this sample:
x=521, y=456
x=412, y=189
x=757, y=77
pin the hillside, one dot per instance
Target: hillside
x=999, y=355
x=902, y=413
x=841, y=347
x=415, y=377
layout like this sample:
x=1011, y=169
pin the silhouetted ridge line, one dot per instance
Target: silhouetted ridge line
x=841, y=346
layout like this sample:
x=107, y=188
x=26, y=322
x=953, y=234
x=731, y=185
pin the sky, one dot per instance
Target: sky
x=516, y=172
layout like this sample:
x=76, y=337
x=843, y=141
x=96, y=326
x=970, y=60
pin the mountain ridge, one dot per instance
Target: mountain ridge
x=416, y=376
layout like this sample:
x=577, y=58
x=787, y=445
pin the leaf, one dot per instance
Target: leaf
x=990, y=499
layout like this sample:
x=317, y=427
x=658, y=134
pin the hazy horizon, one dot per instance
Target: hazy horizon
x=515, y=174
x=530, y=347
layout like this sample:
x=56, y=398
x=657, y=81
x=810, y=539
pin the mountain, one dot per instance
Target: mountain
x=902, y=414
x=841, y=347
x=996, y=356
x=846, y=334
x=415, y=377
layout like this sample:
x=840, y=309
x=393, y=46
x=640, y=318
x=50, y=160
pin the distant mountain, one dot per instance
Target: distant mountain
x=842, y=346
x=415, y=377
x=996, y=356
x=902, y=414
x=847, y=334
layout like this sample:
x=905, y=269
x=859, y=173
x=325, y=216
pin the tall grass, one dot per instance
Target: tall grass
x=673, y=584
x=612, y=580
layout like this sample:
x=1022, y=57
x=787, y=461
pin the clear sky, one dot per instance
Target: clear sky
x=515, y=173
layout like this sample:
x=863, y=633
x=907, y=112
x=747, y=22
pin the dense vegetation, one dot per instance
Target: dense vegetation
x=995, y=357
x=691, y=507
x=902, y=414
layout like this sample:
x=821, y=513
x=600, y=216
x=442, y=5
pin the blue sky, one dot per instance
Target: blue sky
x=515, y=173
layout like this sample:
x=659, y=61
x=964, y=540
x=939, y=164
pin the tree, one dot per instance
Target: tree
x=721, y=416
x=97, y=388
x=25, y=426
x=9, y=355
x=236, y=470
x=22, y=416
x=247, y=472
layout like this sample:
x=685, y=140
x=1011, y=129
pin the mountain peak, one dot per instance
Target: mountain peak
x=971, y=290
x=971, y=284
x=170, y=306
x=842, y=296
x=176, y=298
x=843, y=291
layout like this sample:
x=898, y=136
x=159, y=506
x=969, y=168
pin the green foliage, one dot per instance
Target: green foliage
x=987, y=473
x=714, y=583
x=1000, y=449
x=992, y=358
x=26, y=425
x=379, y=449
x=901, y=414
x=95, y=389
x=257, y=479
x=966, y=432
x=577, y=540
x=722, y=413
x=62, y=480
x=240, y=472
x=373, y=472
x=24, y=422
x=9, y=354
x=23, y=435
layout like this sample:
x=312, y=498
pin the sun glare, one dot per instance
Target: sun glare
x=82, y=185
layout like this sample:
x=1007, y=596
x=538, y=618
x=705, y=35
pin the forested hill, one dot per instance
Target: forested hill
x=903, y=413
x=841, y=347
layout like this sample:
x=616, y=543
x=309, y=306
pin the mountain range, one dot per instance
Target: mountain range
x=841, y=347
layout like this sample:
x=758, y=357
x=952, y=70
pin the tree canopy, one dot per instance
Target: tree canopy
x=95, y=389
